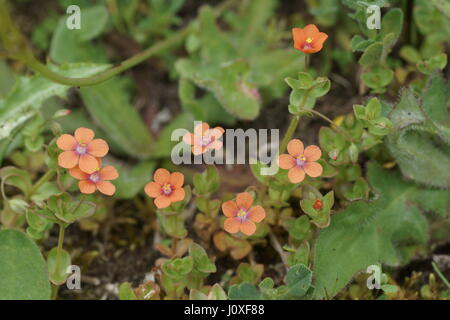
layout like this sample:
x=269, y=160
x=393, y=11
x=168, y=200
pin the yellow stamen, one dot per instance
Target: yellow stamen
x=167, y=188
x=241, y=213
x=301, y=158
x=309, y=40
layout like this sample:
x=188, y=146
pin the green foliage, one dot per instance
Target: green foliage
x=188, y=272
x=76, y=45
x=319, y=209
x=371, y=232
x=132, y=179
x=58, y=262
x=305, y=91
x=108, y=102
x=297, y=283
x=237, y=66
x=23, y=272
x=24, y=101
x=206, y=182
x=420, y=142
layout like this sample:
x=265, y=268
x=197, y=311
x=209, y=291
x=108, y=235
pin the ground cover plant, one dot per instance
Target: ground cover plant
x=121, y=130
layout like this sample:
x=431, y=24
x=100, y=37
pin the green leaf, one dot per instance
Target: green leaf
x=244, y=291
x=437, y=62
x=132, y=180
x=108, y=103
x=392, y=22
x=228, y=84
x=6, y=79
x=179, y=267
x=16, y=177
x=299, y=228
x=320, y=88
x=23, y=102
x=201, y=259
x=410, y=54
x=371, y=55
x=378, y=77
x=206, y=108
x=298, y=281
x=420, y=142
x=76, y=45
x=126, y=292
x=58, y=261
x=367, y=233
x=23, y=272
x=373, y=109
x=207, y=182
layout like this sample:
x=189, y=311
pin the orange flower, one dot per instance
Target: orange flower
x=166, y=188
x=300, y=161
x=241, y=215
x=81, y=150
x=309, y=39
x=99, y=179
x=204, y=138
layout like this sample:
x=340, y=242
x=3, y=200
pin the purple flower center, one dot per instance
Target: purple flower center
x=204, y=141
x=81, y=149
x=300, y=161
x=95, y=177
x=308, y=43
x=167, y=189
x=242, y=214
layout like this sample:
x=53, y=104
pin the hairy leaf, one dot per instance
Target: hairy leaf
x=367, y=233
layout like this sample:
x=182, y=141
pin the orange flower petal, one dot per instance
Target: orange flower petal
x=176, y=179
x=295, y=147
x=244, y=200
x=216, y=132
x=311, y=31
x=108, y=173
x=78, y=174
x=177, y=195
x=197, y=150
x=153, y=189
x=84, y=135
x=106, y=188
x=216, y=145
x=296, y=175
x=286, y=161
x=313, y=169
x=312, y=153
x=98, y=148
x=257, y=214
x=320, y=39
x=201, y=129
x=299, y=38
x=66, y=142
x=248, y=227
x=162, y=202
x=189, y=138
x=68, y=159
x=232, y=225
x=230, y=208
x=86, y=186
x=88, y=163
x=161, y=176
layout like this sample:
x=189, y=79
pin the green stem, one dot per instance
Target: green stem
x=289, y=133
x=338, y=129
x=439, y=273
x=39, y=67
x=62, y=229
x=46, y=177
